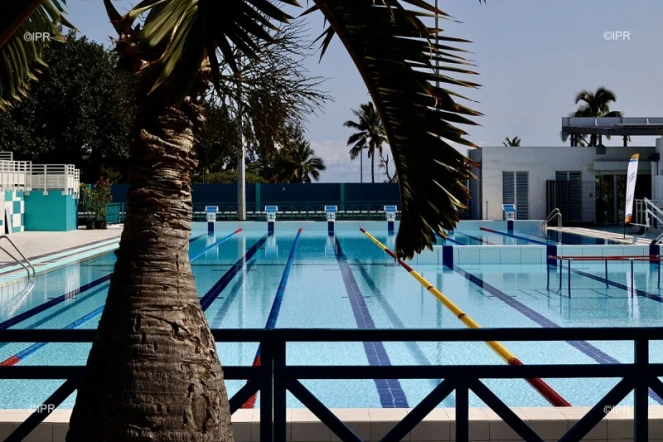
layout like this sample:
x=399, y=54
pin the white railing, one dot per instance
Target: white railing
x=640, y=210
x=63, y=177
x=14, y=173
x=6, y=156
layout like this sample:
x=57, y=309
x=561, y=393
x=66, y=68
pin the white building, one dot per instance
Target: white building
x=586, y=183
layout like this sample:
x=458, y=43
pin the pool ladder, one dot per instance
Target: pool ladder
x=27, y=265
x=555, y=213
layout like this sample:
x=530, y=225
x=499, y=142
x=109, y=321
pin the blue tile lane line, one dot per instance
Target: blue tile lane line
x=511, y=235
x=482, y=241
x=619, y=285
x=227, y=303
x=584, y=346
x=57, y=300
x=216, y=244
x=206, y=301
x=222, y=283
x=413, y=347
x=389, y=390
x=21, y=355
x=59, y=312
x=278, y=299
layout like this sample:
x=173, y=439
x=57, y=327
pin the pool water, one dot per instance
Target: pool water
x=521, y=237
x=348, y=282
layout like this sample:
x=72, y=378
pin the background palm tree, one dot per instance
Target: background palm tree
x=593, y=105
x=153, y=372
x=515, y=141
x=371, y=136
x=299, y=163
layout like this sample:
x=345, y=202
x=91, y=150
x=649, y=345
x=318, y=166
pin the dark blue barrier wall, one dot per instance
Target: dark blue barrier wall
x=258, y=195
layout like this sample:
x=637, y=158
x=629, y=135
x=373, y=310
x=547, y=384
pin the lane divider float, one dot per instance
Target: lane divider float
x=539, y=385
x=274, y=312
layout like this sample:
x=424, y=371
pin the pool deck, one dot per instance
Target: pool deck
x=372, y=424
x=48, y=251
x=612, y=235
x=39, y=244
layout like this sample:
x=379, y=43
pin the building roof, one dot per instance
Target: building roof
x=631, y=126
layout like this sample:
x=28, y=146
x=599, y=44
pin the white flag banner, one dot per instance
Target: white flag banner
x=631, y=177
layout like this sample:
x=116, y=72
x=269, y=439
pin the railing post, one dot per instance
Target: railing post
x=266, y=388
x=279, y=383
x=632, y=278
x=569, y=276
x=462, y=412
x=641, y=403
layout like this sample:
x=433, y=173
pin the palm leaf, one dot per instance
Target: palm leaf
x=187, y=32
x=389, y=44
x=21, y=59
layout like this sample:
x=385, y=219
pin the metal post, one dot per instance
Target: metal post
x=659, y=272
x=266, y=391
x=547, y=275
x=641, y=403
x=632, y=279
x=561, y=273
x=569, y=276
x=606, y=273
x=462, y=412
x=280, y=405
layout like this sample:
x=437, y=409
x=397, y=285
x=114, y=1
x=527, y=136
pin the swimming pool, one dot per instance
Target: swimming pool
x=347, y=282
x=527, y=235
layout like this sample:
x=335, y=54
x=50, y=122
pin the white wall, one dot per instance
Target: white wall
x=542, y=163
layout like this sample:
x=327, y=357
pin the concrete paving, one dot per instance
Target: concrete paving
x=37, y=244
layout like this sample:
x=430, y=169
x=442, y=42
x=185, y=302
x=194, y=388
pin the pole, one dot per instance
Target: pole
x=361, y=165
x=241, y=164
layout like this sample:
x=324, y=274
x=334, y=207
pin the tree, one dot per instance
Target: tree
x=514, y=142
x=593, y=105
x=370, y=136
x=297, y=162
x=79, y=112
x=384, y=164
x=153, y=372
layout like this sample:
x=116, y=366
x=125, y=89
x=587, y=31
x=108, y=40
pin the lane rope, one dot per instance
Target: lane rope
x=539, y=385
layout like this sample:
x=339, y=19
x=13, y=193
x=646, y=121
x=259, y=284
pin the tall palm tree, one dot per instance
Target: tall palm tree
x=153, y=372
x=593, y=105
x=371, y=136
x=299, y=163
x=513, y=142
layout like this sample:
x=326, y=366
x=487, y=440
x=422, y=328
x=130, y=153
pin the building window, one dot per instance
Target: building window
x=571, y=200
x=515, y=190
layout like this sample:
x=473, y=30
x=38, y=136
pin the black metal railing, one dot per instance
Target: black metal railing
x=275, y=377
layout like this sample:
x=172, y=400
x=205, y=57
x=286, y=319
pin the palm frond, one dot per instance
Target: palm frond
x=20, y=51
x=389, y=44
x=190, y=32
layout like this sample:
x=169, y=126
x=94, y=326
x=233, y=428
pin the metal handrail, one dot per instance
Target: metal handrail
x=281, y=378
x=32, y=276
x=555, y=213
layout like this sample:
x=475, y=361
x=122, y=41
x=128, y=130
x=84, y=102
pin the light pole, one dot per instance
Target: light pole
x=241, y=163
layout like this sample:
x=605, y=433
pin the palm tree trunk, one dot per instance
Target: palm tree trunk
x=373, y=167
x=153, y=373
x=361, y=166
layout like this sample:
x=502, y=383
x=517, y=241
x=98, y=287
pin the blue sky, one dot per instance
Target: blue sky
x=532, y=56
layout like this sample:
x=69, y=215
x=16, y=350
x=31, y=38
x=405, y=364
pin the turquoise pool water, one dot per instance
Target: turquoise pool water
x=347, y=282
